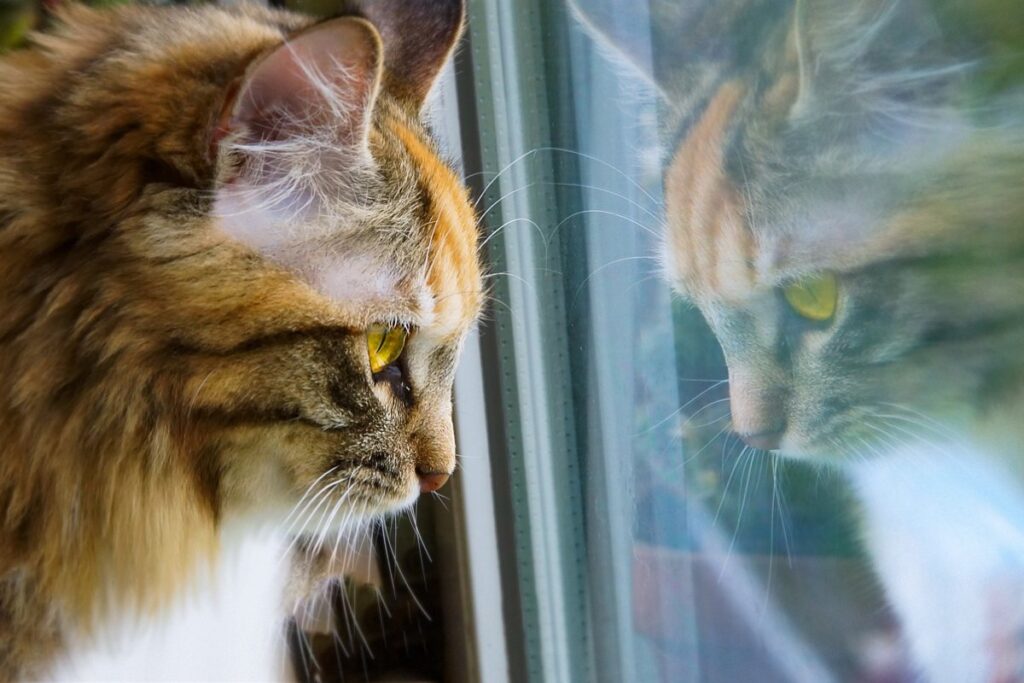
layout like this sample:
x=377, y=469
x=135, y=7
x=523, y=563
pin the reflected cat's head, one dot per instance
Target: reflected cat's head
x=846, y=220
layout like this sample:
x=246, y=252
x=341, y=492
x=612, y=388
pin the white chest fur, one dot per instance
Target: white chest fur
x=226, y=627
x=946, y=535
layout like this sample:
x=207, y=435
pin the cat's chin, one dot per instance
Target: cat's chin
x=381, y=506
x=324, y=507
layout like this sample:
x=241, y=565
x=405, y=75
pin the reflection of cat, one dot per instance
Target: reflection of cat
x=232, y=271
x=845, y=206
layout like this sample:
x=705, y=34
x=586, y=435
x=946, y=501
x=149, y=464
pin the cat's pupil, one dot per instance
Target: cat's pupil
x=394, y=375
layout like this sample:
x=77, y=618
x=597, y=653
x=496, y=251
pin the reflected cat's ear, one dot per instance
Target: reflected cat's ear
x=418, y=35
x=676, y=45
x=610, y=22
x=885, y=51
x=800, y=43
x=322, y=79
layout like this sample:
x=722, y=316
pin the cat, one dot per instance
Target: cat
x=235, y=276
x=843, y=204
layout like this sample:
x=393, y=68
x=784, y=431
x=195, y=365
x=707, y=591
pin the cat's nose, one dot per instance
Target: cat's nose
x=766, y=441
x=431, y=481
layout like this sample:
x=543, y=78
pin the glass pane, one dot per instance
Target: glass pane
x=802, y=463
x=829, y=130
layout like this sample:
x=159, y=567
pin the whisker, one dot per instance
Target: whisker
x=323, y=491
x=508, y=167
x=503, y=197
x=604, y=266
x=710, y=441
x=751, y=461
x=688, y=422
x=612, y=193
x=627, y=177
x=728, y=483
x=680, y=409
x=419, y=538
x=600, y=212
x=309, y=489
x=506, y=224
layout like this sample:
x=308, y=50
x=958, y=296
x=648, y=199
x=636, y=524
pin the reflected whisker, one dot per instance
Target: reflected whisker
x=494, y=233
x=600, y=212
x=604, y=266
x=635, y=204
x=680, y=409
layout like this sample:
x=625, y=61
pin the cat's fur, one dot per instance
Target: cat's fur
x=201, y=212
x=882, y=141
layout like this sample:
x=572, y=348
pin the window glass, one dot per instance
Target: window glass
x=757, y=366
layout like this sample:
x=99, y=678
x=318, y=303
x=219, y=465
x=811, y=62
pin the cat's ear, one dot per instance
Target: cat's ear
x=834, y=41
x=325, y=78
x=800, y=44
x=419, y=36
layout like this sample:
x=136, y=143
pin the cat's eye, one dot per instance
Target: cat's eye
x=385, y=345
x=815, y=297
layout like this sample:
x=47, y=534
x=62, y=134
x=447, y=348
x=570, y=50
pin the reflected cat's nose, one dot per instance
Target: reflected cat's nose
x=766, y=441
x=431, y=481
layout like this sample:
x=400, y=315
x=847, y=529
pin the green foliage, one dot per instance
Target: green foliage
x=994, y=30
x=17, y=18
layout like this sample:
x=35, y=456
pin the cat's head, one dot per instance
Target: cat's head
x=268, y=271
x=849, y=228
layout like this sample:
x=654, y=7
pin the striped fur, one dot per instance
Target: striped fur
x=711, y=249
x=168, y=363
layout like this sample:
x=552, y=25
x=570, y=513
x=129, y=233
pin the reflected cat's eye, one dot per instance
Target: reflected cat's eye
x=814, y=298
x=385, y=345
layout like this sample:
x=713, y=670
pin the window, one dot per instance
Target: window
x=637, y=538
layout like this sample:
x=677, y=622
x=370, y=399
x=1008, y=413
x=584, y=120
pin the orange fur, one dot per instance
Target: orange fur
x=710, y=247
x=453, y=276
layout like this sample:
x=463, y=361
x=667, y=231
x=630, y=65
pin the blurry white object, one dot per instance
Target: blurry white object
x=945, y=527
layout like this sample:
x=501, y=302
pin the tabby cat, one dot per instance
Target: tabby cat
x=844, y=205
x=233, y=270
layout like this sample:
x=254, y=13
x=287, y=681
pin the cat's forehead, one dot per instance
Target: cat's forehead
x=452, y=275
x=710, y=253
x=730, y=238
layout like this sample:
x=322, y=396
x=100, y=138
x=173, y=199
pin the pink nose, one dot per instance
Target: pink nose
x=431, y=481
x=766, y=441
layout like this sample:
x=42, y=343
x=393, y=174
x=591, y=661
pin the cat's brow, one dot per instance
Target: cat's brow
x=454, y=274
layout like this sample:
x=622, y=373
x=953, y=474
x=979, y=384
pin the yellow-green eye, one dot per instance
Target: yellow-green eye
x=385, y=345
x=815, y=297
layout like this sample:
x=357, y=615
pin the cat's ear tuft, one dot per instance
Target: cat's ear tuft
x=419, y=36
x=322, y=79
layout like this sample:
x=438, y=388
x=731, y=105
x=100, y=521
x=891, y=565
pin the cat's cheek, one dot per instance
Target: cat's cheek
x=256, y=476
